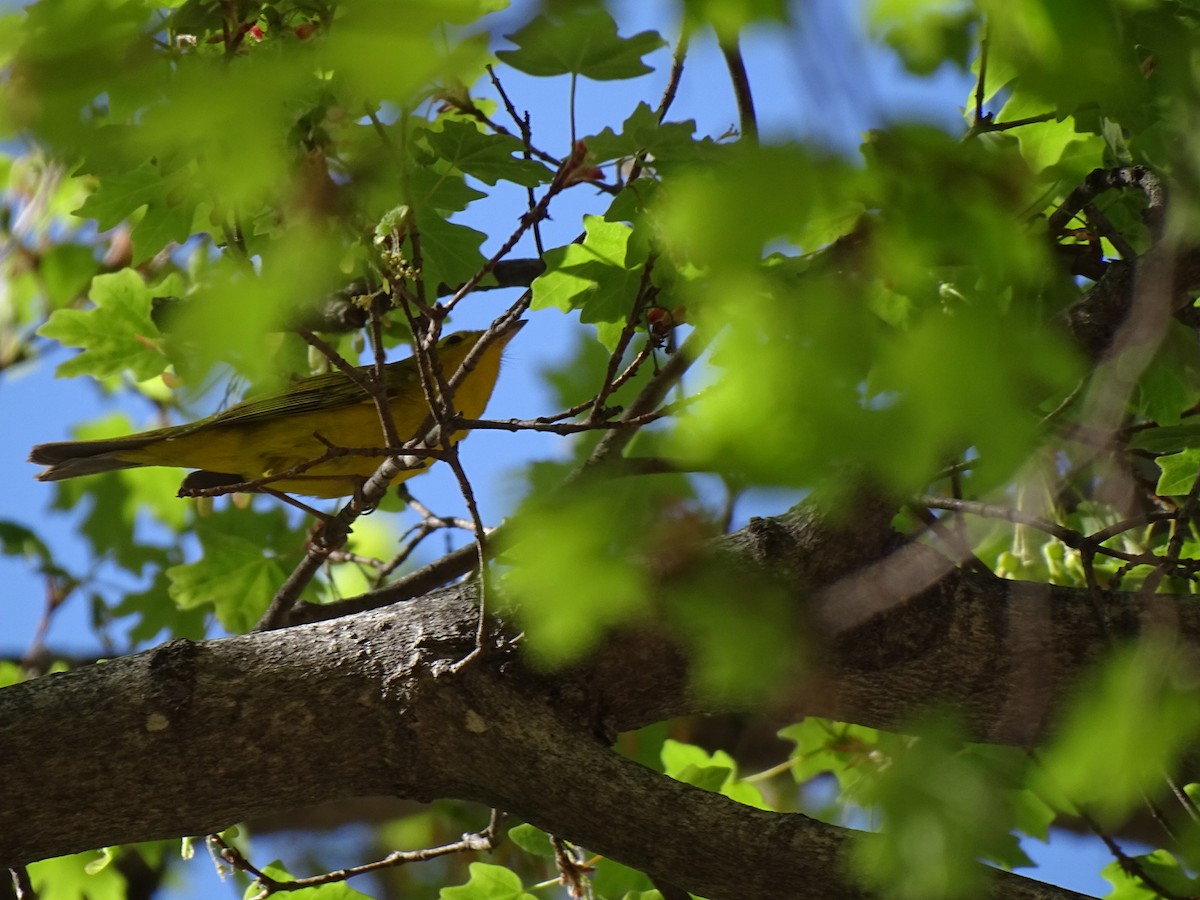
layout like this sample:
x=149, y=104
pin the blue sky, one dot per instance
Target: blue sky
x=819, y=81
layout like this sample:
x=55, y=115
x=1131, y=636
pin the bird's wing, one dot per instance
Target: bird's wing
x=309, y=395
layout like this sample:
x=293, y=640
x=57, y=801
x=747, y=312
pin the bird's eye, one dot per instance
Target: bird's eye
x=453, y=339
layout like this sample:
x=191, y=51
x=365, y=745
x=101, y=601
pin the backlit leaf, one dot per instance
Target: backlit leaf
x=116, y=335
x=580, y=41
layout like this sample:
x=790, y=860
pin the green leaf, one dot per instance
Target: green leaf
x=168, y=202
x=580, y=41
x=1167, y=439
x=1054, y=149
x=1029, y=37
x=642, y=133
x=1179, y=470
x=116, y=335
x=68, y=878
x=599, y=277
x=488, y=157
x=156, y=617
x=434, y=187
x=17, y=540
x=115, y=502
x=847, y=751
x=716, y=772
x=488, y=882
x=1160, y=866
x=613, y=880
x=450, y=252
x=1168, y=385
x=532, y=840
x=245, y=559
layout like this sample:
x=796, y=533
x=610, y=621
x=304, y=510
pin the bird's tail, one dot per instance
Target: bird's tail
x=69, y=459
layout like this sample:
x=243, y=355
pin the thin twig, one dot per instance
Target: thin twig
x=469, y=843
x=981, y=81
x=574, y=84
x=22, y=885
x=651, y=397
x=1127, y=862
x=563, y=178
x=608, y=385
x=468, y=494
x=676, y=73
x=1068, y=536
x=478, y=114
x=1104, y=228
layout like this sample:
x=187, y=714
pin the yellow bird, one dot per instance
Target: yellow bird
x=279, y=431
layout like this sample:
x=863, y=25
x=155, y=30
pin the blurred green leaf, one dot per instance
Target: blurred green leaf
x=389, y=51
x=17, y=540
x=1160, y=866
x=586, y=544
x=939, y=812
x=729, y=17
x=236, y=312
x=112, y=503
x=10, y=673
x=156, y=616
x=723, y=217
x=928, y=33
x=1130, y=723
x=66, y=270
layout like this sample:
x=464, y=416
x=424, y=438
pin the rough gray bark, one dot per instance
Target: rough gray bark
x=190, y=738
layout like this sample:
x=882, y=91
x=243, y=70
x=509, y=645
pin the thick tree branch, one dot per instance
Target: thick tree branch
x=189, y=738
